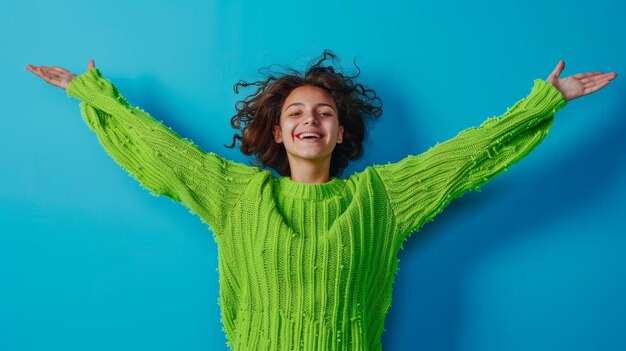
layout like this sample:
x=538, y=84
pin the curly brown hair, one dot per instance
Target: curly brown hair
x=259, y=112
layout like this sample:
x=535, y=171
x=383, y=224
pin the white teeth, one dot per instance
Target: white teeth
x=304, y=135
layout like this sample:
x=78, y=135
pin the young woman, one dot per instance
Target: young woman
x=307, y=260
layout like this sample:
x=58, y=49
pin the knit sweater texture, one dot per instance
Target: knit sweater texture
x=309, y=266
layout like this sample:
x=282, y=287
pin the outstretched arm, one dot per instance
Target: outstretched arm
x=162, y=161
x=419, y=187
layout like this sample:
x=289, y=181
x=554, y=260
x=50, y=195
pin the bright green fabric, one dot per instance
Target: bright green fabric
x=309, y=266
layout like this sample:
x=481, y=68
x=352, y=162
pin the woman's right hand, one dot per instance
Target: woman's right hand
x=57, y=76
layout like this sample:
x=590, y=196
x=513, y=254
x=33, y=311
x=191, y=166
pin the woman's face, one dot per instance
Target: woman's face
x=309, y=109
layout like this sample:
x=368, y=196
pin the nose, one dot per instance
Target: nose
x=310, y=118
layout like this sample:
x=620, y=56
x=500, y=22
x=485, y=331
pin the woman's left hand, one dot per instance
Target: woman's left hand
x=580, y=84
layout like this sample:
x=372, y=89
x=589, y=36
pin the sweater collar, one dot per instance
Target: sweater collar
x=286, y=186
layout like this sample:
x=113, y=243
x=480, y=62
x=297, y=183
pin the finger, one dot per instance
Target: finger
x=595, y=87
x=58, y=69
x=49, y=75
x=44, y=76
x=558, y=69
x=39, y=72
x=587, y=74
x=597, y=78
x=32, y=68
x=49, y=69
x=54, y=74
x=43, y=70
x=91, y=64
x=597, y=82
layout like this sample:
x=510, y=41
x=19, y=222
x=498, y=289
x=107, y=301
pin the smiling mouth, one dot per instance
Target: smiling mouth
x=309, y=136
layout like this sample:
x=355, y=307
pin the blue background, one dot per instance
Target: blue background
x=89, y=260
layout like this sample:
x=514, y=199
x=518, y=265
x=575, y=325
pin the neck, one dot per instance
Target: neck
x=310, y=172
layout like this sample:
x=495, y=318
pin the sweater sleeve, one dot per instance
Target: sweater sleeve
x=421, y=186
x=158, y=158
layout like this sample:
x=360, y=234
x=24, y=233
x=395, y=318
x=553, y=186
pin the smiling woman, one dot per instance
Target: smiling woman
x=308, y=263
x=321, y=98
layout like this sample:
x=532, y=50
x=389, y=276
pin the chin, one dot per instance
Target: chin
x=312, y=155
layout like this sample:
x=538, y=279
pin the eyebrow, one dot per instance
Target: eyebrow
x=321, y=103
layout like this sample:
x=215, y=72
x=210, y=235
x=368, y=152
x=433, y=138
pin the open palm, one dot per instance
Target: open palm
x=57, y=76
x=580, y=84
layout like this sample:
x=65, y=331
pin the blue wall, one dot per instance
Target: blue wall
x=89, y=260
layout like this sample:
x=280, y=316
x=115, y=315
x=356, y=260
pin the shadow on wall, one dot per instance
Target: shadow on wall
x=435, y=308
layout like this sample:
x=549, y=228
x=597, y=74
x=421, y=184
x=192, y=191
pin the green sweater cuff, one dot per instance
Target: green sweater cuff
x=85, y=85
x=543, y=101
x=544, y=93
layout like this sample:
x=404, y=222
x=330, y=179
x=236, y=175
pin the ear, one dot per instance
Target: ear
x=340, y=135
x=278, y=135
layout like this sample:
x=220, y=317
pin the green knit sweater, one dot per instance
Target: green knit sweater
x=309, y=266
